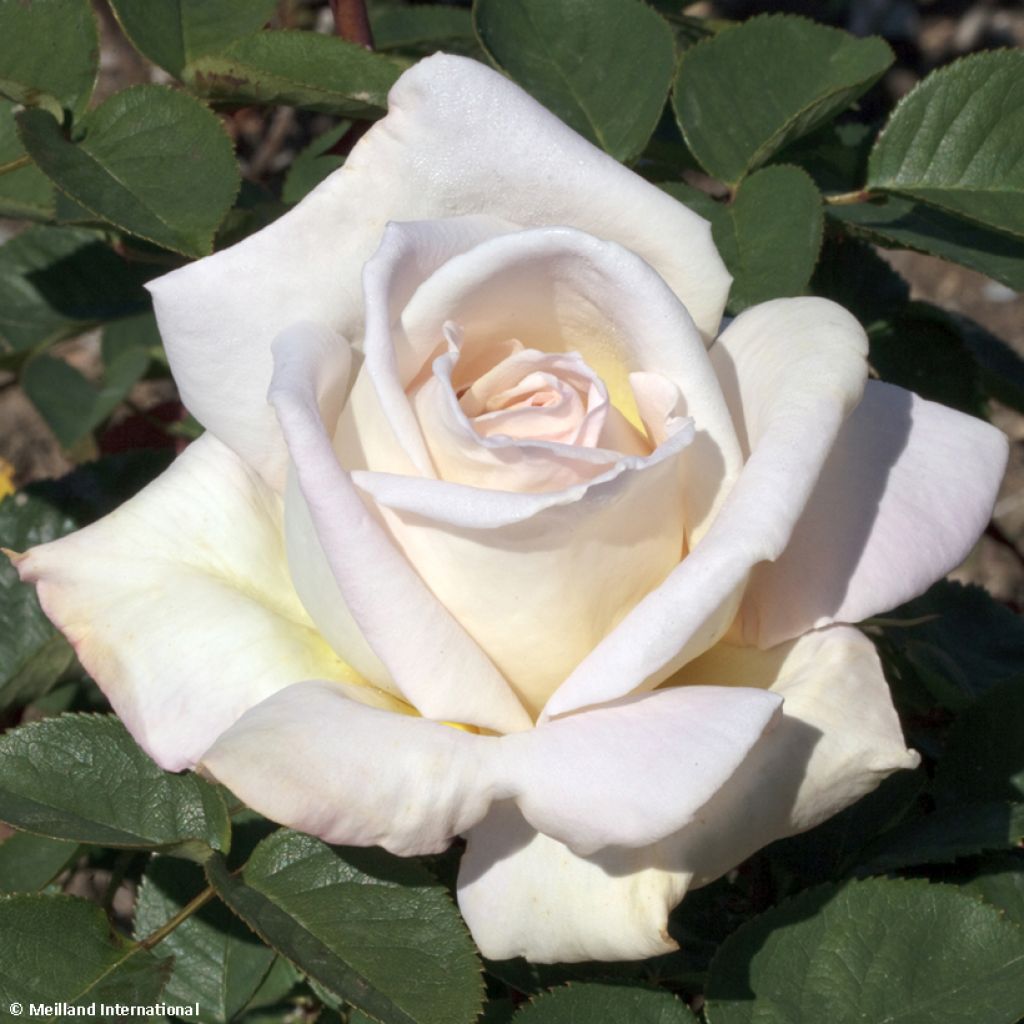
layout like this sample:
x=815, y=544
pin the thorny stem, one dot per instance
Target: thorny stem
x=182, y=915
x=351, y=22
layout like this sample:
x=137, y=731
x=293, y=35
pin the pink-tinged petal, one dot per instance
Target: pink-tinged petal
x=559, y=290
x=904, y=496
x=623, y=775
x=525, y=894
x=465, y=453
x=180, y=606
x=459, y=139
x=792, y=370
x=427, y=654
x=838, y=738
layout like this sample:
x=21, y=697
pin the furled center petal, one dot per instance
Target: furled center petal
x=540, y=396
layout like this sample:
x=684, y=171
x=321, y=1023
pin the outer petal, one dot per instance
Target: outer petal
x=180, y=606
x=839, y=737
x=791, y=369
x=459, y=139
x=427, y=654
x=903, y=497
x=625, y=775
x=524, y=894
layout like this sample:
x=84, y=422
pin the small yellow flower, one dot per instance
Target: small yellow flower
x=6, y=478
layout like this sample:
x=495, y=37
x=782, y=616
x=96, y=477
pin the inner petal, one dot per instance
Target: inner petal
x=538, y=396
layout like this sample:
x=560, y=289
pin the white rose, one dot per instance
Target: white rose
x=527, y=496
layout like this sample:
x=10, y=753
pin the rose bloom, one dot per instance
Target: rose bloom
x=516, y=551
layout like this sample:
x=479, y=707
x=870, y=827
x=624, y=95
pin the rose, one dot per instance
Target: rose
x=429, y=589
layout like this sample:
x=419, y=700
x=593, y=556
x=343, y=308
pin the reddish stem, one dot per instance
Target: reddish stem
x=351, y=22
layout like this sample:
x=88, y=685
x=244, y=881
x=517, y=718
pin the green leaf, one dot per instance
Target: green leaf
x=956, y=640
x=71, y=405
x=423, y=29
x=82, y=777
x=25, y=192
x=136, y=162
x=218, y=962
x=58, y=282
x=769, y=235
x=984, y=755
x=60, y=949
x=1000, y=367
x=376, y=930
x=33, y=655
x=851, y=273
x=95, y=489
x=29, y=862
x=275, y=986
x=957, y=141
x=878, y=950
x=999, y=880
x=50, y=48
x=605, y=1004
x=921, y=348
x=301, y=69
x=835, y=155
x=313, y=164
x=172, y=33
x=743, y=94
x=902, y=224
x=946, y=835
x=603, y=66
x=829, y=851
x=136, y=333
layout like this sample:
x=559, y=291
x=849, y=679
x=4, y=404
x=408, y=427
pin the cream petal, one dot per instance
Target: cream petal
x=525, y=894
x=904, y=495
x=180, y=606
x=538, y=579
x=458, y=139
x=622, y=775
x=408, y=254
x=315, y=760
x=427, y=654
x=838, y=738
x=791, y=369
x=560, y=290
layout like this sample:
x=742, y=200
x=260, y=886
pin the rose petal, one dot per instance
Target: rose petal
x=905, y=493
x=524, y=894
x=538, y=579
x=792, y=369
x=560, y=290
x=180, y=606
x=459, y=139
x=426, y=652
x=838, y=738
x=624, y=775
